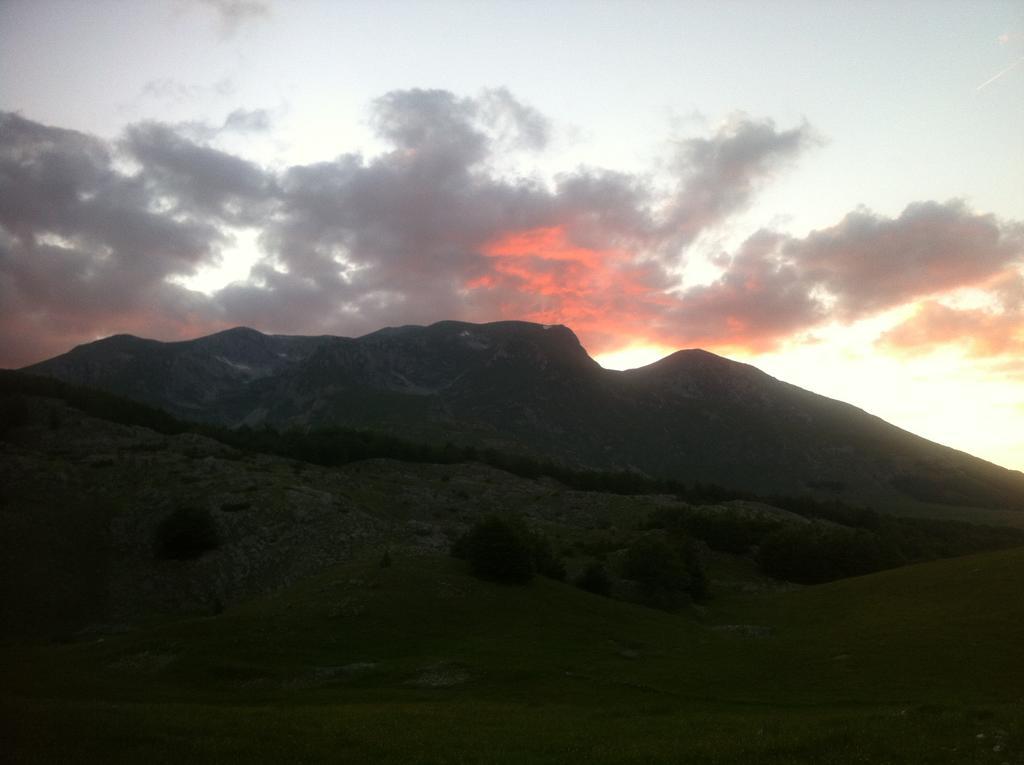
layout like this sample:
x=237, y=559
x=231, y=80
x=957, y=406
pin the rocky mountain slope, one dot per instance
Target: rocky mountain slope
x=84, y=500
x=517, y=386
x=113, y=524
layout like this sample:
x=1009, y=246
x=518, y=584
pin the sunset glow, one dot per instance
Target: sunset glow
x=589, y=381
x=633, y=357
x=545, y=277
x=180, y=172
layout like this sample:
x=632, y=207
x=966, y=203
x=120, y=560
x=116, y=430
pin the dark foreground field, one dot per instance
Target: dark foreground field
x=420, y=662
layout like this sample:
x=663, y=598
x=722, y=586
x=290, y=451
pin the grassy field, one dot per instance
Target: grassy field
x=419, y=662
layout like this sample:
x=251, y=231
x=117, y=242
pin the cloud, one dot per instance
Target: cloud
x=426, y=231
x=758, y=301
x=996, y=329
x=977, y=331
x=84, y=248
x=514, y=123
x=394, y=238
x=232, y=15
x=95, y=235
x=719, y=175
x=870, y=263
x=248, y=121
x=62, y=184
x=196, y=179
x=174, y=91
x=776, y=286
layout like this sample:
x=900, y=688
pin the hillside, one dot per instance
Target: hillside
x=421, y=663
x=84, y=500
x=89, y=504
x=291, y=636
x=692, y=416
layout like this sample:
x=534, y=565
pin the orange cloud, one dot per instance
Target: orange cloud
x=613, y=297
x=605, y=295
x=978, y=332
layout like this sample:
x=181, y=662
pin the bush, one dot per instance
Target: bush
x=812, y=553
x=668, y=574
x=497, y=550
x=545, y=561
x=13, y=413
x=595, y=579
x=722, y=530
x=505, y=550
x=186, y=534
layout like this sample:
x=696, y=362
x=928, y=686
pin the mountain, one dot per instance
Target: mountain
x=518, y=386
x=112, y=521
x=160, y=589
x=187, y=378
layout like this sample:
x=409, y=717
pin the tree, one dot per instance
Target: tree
x=13, y=412
x=505, y=550
x=497, y=550
x=668, y=574
x=722, y=530
x=545, y=562
x=811, y=553
x=186, y=534
x=595, y=579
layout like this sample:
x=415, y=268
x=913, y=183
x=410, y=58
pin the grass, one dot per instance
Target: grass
x=421, y=663
x=456, y=732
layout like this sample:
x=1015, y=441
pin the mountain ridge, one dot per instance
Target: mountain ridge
x=692, y=415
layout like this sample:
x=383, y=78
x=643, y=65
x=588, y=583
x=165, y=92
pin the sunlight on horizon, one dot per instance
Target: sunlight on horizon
x=937, y=397
x=632, y=357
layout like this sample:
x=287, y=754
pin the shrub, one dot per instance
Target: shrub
x=812, y=553
x=545, y=561
x=497, y=550
x=722, y=530
x=505, y=550
x=595, y=579
x=13, y=413
x=668, y=574
x=186, y=534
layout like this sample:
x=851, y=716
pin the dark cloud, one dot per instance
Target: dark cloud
x=608, y=209
x=432, y=121
x=94, y=235
x=719, y=175
x=85, y=248
x=60, y=184
x=776, y=286
x=395, y=238
x=870, y=263
x=195, y=178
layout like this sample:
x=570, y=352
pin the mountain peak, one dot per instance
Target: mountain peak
x=238, y=332
x=555, y=341
x=699, y=362
x=531, y=387
x=112, y=344
x=509, y=327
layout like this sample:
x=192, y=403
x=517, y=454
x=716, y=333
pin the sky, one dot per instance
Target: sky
x=831, y=191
